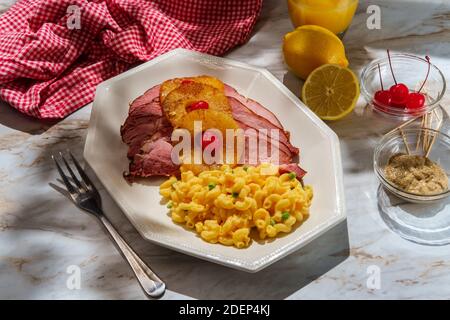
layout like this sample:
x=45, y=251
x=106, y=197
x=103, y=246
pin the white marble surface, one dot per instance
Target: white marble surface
x=41, y=233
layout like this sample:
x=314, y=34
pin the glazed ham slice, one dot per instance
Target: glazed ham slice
x=292, y=167
x=284, y=155
x=254, y=106
x=148, y=96
x=143, y=123
x=249, y=119
x=147, y=133
x=153, y=160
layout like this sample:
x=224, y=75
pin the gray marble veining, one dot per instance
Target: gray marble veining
x=41, y=233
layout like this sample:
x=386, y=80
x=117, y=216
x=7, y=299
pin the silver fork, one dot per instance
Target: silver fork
x=86, y=197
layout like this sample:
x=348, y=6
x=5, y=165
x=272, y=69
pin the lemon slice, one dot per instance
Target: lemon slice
x=331, y=91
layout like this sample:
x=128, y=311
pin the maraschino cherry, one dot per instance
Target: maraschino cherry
x=382, y=97
x=398, y=95
x=399, y=91
x=210, y=139
x=207, y=139
x=416, y=100
x=198, y=105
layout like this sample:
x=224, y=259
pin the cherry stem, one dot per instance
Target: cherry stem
x=428, y=73
x=390, y=65
x=381, y=80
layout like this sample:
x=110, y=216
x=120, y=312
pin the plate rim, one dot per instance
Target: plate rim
x=236, y=263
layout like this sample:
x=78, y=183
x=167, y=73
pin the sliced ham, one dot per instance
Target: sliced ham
x=245, y=116
x=254, y=106
x=284, y=155
x=292, y=167
x=152, y=108
x=154, y=160
x=143, y=121
x=136, y=145
x=146, y=98
x=141, y=117
x=147, y=133
x=136, y=132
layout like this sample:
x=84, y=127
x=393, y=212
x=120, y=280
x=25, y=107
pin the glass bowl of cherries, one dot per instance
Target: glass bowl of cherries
x=402, y=85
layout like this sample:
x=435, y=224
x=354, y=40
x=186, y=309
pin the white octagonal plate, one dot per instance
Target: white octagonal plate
x=319, y=153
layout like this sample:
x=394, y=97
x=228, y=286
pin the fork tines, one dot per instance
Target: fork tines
x=73, y=184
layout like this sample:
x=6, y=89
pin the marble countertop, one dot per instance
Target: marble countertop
x=42, y=234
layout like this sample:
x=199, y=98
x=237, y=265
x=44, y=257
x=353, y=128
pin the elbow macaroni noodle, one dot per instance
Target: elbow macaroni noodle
x=224, y=205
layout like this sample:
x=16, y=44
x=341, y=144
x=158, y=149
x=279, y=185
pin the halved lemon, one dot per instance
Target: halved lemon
x=331, y=91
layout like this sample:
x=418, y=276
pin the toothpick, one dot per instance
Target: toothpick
x=404, y=141
x=441, y=121
x=431, y=145
x=404, y=124
x=419, y=136
x=424, y=122
x=437, y=116
x=430, y=121
x=425, y=135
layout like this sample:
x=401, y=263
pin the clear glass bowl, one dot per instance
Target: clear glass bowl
x=393, y=143
x=427, y=224
x=410, y=70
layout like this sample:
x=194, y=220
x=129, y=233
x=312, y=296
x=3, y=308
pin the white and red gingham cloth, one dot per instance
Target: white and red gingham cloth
x=53, y=53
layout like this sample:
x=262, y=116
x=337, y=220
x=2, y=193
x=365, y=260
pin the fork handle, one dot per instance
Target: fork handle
x=149, y=281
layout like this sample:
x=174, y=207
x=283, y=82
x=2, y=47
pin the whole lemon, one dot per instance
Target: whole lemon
x=309, y=47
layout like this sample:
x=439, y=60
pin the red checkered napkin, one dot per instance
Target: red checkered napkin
x=54, y=53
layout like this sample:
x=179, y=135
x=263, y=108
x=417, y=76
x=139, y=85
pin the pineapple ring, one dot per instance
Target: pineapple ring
x=211, y=119
x=170, y=85
x=178, y=100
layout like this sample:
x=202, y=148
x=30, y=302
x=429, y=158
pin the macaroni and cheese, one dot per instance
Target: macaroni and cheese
x=224, y=205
